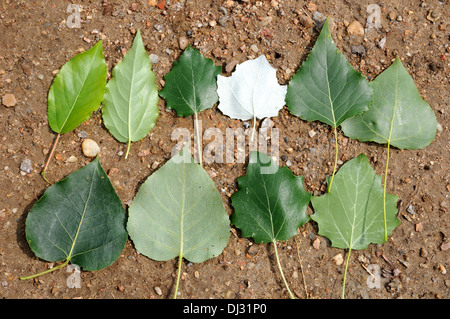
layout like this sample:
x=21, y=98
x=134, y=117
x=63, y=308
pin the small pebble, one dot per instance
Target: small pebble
x=312, y=133
x=154, y=58
x=316, y=243
x=355, y=28
x=254, y=48
x=230, y=66
x=72, y=159
x=9, y=100
x=155, y=164
x=90, y=148
x=358, y=49
x=183, y=42
x=158, y=291
x=338, y=259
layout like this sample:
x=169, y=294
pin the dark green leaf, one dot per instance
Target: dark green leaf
x=79, y=219
x=327, y=88
x=269, y=207
x=191, y=85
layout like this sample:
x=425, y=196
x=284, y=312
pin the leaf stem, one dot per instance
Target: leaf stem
x=180, y=259
x=199, y=146
x=345, y=273
x=253, y=129
x=46, y=271
x=335, y=159
x=50, y=157
x=281, y=270
x=128, y=149
x=384, y=191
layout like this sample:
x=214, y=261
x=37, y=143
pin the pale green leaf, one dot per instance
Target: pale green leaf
x=130, y=105
x=398, y=115
x=351, y=216
x=178, y=212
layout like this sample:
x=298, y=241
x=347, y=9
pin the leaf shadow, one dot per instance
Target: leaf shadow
x=20, y=229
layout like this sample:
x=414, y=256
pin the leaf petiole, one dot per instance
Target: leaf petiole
x=180, y=262
x=46, y=271
x=335, y=159
x=128, y=149
x=50, y=157
x=384, y=192
x=281, y=270
x=345, y=273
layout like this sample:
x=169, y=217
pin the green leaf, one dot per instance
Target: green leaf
x=130, y=105
x=269, y=207
x=179, y=212
x=77, y=90
x=79, y=219
x=352, y=215
x=327, y=89
x=191, y=85
x=398, y=115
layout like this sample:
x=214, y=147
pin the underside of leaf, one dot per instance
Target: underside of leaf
x=351, y=216
x=130, y=106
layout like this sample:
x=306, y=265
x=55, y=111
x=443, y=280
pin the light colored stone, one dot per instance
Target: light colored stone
x=355, y=28
x=90, y=148
x=9, y=100
x=338, y=259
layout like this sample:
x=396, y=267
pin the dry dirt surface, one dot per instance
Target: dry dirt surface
x=35, y=41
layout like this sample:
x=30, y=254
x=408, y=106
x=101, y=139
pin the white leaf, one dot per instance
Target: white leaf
x=252, y=91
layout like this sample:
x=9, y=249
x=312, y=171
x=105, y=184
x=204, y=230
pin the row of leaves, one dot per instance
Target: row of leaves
x=178, y=212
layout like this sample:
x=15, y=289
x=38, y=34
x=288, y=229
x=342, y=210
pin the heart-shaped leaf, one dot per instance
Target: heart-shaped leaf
x=79, y=219
x=398, y=115
x=179, y=212
x=351, y=216
x=269, y=207
x=326, y=88
x=252, y=91
x=130, y=105
x=191, y=87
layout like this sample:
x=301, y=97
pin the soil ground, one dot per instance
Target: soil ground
x=35, y=41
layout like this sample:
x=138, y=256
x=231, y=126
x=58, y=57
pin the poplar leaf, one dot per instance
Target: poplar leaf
x=251, y=92
x=178, y=211
x=326, y=88
x=191, y=86
x=130, y=105
x=77, y=90
x=398, y=115
x=79, y=219
x=269, y=207
x=351, y=216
